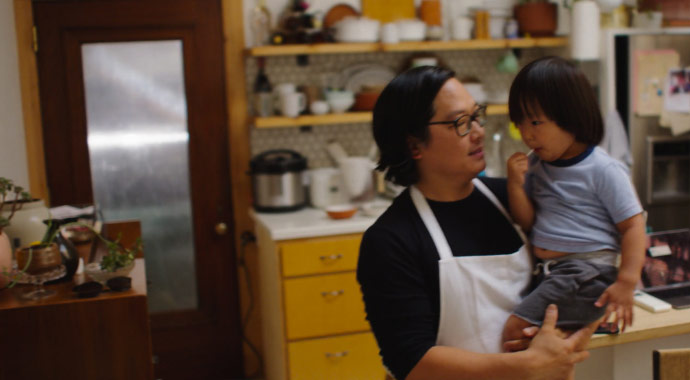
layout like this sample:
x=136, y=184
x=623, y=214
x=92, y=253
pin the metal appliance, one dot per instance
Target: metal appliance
x=279, y=181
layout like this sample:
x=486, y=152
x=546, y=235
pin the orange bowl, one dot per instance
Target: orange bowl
x=341, y=211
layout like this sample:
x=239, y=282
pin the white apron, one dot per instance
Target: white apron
x=479, y=292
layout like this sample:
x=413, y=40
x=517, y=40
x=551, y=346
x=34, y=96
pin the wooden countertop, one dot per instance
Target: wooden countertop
x=12, y=298
x=647, y=325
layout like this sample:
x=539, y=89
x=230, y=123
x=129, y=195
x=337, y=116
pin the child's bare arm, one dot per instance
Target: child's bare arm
x=619, y=296
x=521, y=208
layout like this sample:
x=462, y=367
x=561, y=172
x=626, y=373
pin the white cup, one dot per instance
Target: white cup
x=292, y=104
x=389, y=33
x=462, y=28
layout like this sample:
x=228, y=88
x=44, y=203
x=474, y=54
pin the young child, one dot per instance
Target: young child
x=576, y=202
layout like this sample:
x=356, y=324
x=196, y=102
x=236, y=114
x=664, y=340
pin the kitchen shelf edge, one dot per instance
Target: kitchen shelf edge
x=408, y=46
x=340, y=118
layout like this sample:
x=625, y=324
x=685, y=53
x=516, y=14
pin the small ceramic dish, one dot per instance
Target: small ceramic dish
x=341, y=211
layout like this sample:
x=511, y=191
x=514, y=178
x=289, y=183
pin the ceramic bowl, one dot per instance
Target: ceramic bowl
x=340, y=101
x=357, y=29
x=343, y=211
x=94, y=271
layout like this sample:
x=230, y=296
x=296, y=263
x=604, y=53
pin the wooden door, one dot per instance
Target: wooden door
x=201, y=341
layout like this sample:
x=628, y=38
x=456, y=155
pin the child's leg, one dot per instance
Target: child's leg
x=512, y=330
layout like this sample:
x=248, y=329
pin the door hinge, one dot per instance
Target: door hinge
x=34, y=33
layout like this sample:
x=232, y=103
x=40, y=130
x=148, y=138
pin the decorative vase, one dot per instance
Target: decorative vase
x=536, y=19
x=27, y=223
x=5, y=258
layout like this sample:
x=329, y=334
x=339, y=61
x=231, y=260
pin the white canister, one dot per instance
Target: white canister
x=584, y=36
x=27, y=224
x=358, y=175
x=462, y=28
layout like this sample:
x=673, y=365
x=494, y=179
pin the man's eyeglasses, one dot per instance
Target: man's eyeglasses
x=463, y=124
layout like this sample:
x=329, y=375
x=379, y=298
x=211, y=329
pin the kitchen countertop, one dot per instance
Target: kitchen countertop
x=311, y=222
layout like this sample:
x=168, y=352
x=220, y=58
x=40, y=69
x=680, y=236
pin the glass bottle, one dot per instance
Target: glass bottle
x=263, y=91
x=260, y=23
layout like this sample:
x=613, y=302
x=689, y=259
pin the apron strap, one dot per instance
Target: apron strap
x=489, y=194
x=431, y=223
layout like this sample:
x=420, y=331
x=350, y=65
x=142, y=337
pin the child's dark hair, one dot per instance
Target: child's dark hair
x=562, y=93
x=404, y=110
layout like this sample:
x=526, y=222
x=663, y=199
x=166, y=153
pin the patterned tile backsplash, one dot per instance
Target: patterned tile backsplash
x=324, y=70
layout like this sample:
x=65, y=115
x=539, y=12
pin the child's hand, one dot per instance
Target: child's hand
x=619, y=297
x=517, y=167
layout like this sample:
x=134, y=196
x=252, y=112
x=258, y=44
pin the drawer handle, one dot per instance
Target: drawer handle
x=333, y=293
x=331, y=257
x=337, y=354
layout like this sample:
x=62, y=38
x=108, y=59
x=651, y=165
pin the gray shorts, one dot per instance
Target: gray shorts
x=573, y=283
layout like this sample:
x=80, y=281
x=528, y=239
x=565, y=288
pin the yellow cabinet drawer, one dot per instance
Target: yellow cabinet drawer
x=323, y=305
x=315, y=256
x=348, y=357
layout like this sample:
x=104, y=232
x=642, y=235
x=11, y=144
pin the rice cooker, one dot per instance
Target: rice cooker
x=279, y=180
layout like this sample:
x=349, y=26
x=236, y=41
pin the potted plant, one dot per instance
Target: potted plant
x=536, y=18
x=12, y=199
x=116, y=261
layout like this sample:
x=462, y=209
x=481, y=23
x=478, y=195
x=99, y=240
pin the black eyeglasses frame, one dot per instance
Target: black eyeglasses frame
x=479, y=115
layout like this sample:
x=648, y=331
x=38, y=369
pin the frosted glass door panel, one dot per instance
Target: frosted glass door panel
x=138, y=147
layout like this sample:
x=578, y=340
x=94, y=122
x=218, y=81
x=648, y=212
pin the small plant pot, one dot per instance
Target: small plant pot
x=94, y=271
x=536, y=19
x=43, y=258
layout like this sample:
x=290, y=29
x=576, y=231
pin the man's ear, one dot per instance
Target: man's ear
x=414, y=144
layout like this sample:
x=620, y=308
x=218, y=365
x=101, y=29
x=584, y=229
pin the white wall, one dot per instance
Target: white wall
x=13, y=162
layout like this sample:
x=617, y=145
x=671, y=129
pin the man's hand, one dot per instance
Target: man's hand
x=555, y=355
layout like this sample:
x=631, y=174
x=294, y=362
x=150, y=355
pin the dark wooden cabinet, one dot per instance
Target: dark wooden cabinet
x=64, y=337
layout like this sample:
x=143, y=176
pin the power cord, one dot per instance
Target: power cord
x=246, y=238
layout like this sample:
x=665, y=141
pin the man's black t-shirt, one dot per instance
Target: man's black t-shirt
x=398, y=267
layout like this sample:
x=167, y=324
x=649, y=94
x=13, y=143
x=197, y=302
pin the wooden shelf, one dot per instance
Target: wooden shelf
x=340, y=118
x=337, y=48
x=327, y=119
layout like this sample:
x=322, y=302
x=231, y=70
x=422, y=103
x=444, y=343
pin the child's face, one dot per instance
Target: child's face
x=549, y=141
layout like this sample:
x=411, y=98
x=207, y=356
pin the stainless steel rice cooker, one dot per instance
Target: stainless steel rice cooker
x=279, y=180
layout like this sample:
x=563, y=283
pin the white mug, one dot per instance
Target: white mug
x=292, y=104
x=279, y=91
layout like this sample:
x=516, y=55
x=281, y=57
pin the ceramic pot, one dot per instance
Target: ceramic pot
x=5, y=258
x=27, y=224
x=43, y=258
x=536, y=19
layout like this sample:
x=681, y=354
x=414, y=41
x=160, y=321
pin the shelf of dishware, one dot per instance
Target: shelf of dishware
x=369, y=47
x=341, y=118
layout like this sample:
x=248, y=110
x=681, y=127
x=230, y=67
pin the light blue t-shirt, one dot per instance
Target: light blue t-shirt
x=579, y=201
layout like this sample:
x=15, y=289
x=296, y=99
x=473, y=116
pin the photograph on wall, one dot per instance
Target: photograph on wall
x=668, y=259
x=677, y=94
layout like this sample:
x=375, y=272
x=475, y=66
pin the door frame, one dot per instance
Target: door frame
x=237, y=134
